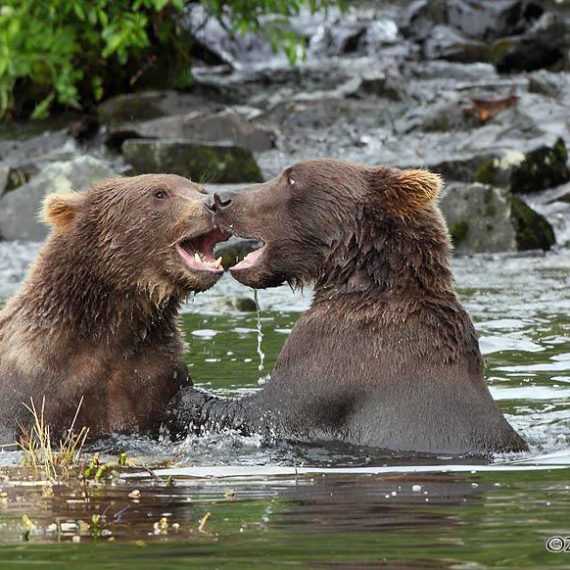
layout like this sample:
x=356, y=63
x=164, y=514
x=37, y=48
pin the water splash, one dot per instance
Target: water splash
x=260, y=352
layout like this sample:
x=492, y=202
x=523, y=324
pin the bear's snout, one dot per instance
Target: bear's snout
x=217, y=204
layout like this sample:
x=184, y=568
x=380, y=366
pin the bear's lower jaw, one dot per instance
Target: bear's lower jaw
x=197, y=252
x=250, y=259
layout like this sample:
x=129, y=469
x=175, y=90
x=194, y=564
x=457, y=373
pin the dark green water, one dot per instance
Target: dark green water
x=329, y=506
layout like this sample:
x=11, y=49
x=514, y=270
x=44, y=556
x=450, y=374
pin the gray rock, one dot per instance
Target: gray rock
x=146, y=105
x=487, y=219
x=224, y=127
x=19, y=209
x=221, y=164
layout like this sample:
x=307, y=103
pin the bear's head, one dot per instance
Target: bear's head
x=146, y=235
x=325, y=219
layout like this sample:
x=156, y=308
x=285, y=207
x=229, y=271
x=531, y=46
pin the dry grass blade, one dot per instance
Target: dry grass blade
x=36, y=444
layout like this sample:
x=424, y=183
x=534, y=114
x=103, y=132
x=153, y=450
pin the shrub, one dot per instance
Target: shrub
x=72, y=53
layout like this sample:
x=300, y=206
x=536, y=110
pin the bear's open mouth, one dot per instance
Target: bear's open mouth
x=251, y=258
x=197, y=252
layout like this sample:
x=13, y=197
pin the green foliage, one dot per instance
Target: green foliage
x=65, y=52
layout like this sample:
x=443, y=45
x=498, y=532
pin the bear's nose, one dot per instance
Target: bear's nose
x=218, y=204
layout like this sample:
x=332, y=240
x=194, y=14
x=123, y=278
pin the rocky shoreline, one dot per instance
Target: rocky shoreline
x=475, y=90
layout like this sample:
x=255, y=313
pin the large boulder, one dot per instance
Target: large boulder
x=221, y=164
x=487, y=219
x=224, y=127
x=538, y=169
x=145, y=105
x=19, y=208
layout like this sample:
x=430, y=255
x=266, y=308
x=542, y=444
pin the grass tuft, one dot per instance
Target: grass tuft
x=36, y=445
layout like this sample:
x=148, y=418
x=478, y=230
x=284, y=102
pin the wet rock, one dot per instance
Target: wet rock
x=420, y=18
x=478, y=19
x=215, y=36
x=447, y=43
x=538, y=169
x=337, y=38
x=224, y=127
x=544, y=45
x=13, y=177
x=19, y=209
x=532, y=229
x=459, y=168
x=243, y=304
x=554, y=85
x=382, y=84
x=145, y=105
x=487, y=219
x=491, y=20
x=222, y=164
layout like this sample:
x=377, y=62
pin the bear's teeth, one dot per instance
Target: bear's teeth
x=197, y=258
x=219, y=261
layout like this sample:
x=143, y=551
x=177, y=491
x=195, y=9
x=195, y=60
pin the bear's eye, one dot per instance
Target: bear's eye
x=291, y=181
x=160, y=194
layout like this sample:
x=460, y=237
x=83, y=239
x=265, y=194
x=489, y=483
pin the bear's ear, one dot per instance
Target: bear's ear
x=60, y=210
x=409, y=191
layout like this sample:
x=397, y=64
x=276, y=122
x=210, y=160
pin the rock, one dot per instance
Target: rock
x=539, y=169
x=243, y=304
x=225, y=127
x=478, y=19
x=19, y=209
x=447, y=43
x=420, y=18
x=17, y=176
x=487, y=219
x=382, y=84
x=486, y=20
x=544, y=45
x=532, y=229
x=145, y=105
x=222, y=164
x=555, y=85
x=214, y=36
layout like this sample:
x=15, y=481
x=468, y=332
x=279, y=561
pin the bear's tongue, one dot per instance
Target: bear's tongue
x=250, y=259
x=197, y=252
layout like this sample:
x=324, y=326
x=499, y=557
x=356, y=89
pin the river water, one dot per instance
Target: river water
x=323, y=506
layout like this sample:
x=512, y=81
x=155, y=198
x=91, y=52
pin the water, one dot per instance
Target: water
x=326, y=506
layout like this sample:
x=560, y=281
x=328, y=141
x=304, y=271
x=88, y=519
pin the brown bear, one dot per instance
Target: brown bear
x=96, y=317
x=386, y=356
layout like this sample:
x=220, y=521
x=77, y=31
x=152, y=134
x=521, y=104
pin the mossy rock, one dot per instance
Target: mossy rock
x=521, y=173
x=544, y=167
x=458, y=232
x=242, y=304
x=220, y=164
x=532, y=231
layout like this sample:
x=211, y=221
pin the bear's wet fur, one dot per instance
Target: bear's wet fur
x=97, y=316
x=386, y=356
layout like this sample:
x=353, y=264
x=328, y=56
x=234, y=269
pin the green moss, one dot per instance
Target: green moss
x=532, y=230
x=499, y=50
x=485, y=174
x=459, y=231
x=542, y=168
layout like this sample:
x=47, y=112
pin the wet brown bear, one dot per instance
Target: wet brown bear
x=97, y=315
x=386, y=356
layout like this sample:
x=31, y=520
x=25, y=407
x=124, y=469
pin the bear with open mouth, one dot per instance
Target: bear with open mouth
x=97, y=316
x=386, y=356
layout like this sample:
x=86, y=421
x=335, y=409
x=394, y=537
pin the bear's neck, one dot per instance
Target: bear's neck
x=65, y=298
x=388, y=263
